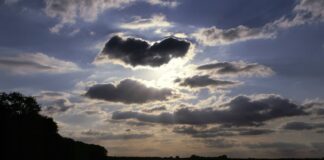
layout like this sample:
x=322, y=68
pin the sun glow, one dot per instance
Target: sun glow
x=165, y=75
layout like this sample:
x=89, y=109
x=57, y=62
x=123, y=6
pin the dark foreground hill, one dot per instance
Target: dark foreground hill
x=194, y=157
x=25, y=134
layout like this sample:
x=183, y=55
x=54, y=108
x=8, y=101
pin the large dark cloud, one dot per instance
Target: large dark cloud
x=240, y=111
x=128, y=91
x=220, y=131
x=237, y=68
x=303, y=126
x=204, y=81
x=137, y=52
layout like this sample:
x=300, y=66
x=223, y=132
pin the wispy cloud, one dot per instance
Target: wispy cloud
x=139, y=23
x=164, y=3
x=68, y=11
x=307, y=11
x=31, y=63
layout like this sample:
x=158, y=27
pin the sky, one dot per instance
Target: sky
x=172, y=78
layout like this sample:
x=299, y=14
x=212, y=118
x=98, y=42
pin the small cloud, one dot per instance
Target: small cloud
x=74, y=32
x=92, y=33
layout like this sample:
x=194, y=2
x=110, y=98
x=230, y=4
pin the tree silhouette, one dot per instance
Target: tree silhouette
x=25, y=134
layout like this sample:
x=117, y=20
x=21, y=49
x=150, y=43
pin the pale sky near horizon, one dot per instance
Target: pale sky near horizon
x=168, y=77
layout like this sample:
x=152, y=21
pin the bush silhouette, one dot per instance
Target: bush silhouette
x=25, y=134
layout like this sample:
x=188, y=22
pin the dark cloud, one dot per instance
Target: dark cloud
x=320, y=131
x=286, y=149
x=220, y=143
x=303, y=126
x=91, y=112
x=54, y=102
x=128, y=91
x=137, y=52
x=202, y=133
x=136, y=123
x=57, y=106
x=320, y=111
x=204, y=81
x=240, y=111
x=155, y=109
x=110, y=136
x=237, y=68
x=130, y=123
x=277, y=145
x=220, y=131
x=165, y=118
x=318, y=145
x=254, y=132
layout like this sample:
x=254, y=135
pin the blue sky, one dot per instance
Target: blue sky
x=243, y=78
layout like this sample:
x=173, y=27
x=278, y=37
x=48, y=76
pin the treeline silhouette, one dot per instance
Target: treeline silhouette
x=195, y=157
x=25, y=134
